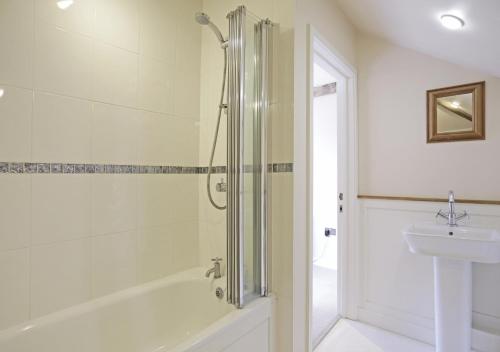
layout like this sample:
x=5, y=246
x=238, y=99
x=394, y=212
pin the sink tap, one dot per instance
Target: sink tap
x=451, y=215
x=215, y=269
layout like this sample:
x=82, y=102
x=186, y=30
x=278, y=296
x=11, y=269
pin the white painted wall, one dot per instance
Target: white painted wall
x=397, y=287
x=394, y=156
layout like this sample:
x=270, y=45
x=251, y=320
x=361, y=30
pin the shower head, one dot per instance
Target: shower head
x=204, y=20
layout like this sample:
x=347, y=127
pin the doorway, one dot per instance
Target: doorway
x=324, y=174
x=332, y=186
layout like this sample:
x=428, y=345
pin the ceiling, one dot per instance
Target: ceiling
x=415, y=24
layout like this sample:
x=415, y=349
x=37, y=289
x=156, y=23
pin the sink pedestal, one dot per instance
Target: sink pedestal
x=453, y=304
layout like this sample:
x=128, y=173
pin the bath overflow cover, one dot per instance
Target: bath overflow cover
x=219, y=293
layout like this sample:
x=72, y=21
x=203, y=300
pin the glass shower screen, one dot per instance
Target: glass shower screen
x=249, y=46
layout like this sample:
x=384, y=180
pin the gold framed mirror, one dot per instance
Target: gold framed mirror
x=456, y=113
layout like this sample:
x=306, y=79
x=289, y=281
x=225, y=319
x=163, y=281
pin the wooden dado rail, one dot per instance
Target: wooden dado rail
x=424, y=199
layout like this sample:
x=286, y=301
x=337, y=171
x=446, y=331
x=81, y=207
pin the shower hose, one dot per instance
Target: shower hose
x=214, y=144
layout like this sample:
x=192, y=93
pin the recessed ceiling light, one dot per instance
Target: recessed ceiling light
x=455, y=104
x=452, y=22
x=64, y=4
x=2, y=92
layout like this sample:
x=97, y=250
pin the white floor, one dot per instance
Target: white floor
x=324, y=301
x=352, y=336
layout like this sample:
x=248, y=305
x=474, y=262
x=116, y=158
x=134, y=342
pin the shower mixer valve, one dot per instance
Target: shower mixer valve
x=221, y=186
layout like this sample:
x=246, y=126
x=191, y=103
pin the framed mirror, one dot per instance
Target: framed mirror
x=456, y=113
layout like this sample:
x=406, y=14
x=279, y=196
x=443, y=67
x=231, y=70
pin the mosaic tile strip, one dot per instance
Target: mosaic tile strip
x=61, y=168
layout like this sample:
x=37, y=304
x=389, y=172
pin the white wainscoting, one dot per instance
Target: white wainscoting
x=397, y=286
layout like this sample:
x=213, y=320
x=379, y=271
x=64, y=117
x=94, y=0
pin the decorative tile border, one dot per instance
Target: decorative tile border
x=61, y=168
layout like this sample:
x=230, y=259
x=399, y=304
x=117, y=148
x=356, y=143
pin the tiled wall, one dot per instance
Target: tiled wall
x=103, y=82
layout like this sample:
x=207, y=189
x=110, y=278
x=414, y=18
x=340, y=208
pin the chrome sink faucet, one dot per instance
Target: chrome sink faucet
x=451, y=216
x=215, y=269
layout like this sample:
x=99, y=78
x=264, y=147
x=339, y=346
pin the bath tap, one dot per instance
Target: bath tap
x=451, y=216
x=215, y=269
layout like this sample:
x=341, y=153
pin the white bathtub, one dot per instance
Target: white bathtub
x=179, y=313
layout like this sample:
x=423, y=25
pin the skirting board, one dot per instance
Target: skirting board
x=482, y=341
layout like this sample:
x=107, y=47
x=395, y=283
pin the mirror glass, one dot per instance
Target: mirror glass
x=455, y=113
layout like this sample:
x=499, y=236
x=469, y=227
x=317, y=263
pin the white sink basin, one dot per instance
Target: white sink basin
x=453, y=248
x=466, y=243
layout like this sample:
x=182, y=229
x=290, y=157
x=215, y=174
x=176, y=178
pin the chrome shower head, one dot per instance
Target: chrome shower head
x=204, y=20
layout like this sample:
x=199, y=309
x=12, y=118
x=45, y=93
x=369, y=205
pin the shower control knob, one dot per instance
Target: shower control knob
x=221, y=186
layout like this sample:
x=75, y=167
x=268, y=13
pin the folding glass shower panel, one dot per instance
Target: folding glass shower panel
x=249, y=43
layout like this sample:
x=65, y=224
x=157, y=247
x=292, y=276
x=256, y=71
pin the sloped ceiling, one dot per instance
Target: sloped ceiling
x=415, y=24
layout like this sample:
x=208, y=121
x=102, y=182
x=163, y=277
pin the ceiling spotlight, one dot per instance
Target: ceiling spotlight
x=455, y=104
x=64, y=4
x=2, y=92
x=452, y=22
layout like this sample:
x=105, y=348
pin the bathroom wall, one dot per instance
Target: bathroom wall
x=394, y=156
x=212, y=224
x=102, y=83
x=397, y=286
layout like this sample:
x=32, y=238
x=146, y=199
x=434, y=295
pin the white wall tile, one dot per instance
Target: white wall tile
x=184, y=192
x=114, y=134
x=60, y=276
x=158, y=22
x=79, y=17
x=187, y=78
x=183, y=144
x=61, y=121
x=15, y=224
x=61, y=208
x=166, y=199
x=14, y=288
x=117, y=23
x=185, y=244
x=63, y=61
x=187, y=61
x=156, y=84
x=154, y=139
x=155, y=253
x=16, y=108
x=153, y=209
x=16, y=42
x=158, y=144
x=115, y=75
x=114, y=203
x=113, y=262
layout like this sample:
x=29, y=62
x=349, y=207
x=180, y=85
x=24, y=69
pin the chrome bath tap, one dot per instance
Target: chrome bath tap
x=215, y=269
x=451, y=216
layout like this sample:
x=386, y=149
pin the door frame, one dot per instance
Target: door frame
x=348, y=185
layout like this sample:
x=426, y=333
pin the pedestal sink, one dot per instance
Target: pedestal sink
x=453, y=249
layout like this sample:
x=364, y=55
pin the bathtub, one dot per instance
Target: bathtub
x=179, y=313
